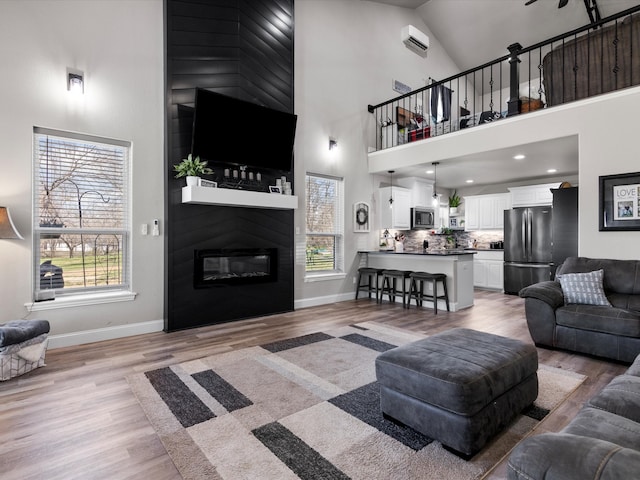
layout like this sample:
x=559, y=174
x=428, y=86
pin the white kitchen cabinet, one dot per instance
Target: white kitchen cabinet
x=488, y=269
x=492, y=209
x=486, y=212
x=472, y=213
x=421, y=191
x=495, y=274
x=532, y=195
x=398, y=217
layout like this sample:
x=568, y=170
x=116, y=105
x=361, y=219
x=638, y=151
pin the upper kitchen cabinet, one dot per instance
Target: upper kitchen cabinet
x=398, y=217
x=532, y=195
x=486, y=212
x=421, y=191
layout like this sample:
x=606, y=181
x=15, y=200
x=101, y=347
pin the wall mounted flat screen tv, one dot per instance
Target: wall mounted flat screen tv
x=232, y=131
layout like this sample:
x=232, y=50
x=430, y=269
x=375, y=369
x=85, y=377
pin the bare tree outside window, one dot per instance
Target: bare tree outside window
x=80, y=212
x=324, y=228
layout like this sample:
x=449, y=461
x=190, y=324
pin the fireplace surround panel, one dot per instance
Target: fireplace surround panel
x=260, y=74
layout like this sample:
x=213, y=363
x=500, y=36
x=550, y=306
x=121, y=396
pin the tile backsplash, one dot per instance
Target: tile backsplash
x=414, y=238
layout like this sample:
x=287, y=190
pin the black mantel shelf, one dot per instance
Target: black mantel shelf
x=238, y=198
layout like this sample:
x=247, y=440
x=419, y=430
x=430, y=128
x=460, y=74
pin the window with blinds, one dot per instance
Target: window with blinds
x=81, y=204
x=325, y=224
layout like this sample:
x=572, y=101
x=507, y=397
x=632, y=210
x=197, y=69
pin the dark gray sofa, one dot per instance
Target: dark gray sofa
x=605, y=331
x=601, y=442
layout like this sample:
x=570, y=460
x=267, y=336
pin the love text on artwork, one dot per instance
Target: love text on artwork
x=626, y=192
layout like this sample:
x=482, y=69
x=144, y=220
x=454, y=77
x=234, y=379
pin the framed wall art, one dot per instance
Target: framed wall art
x=620, y=202
x=361, y=217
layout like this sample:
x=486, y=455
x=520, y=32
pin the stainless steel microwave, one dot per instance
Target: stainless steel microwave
x=422, y=218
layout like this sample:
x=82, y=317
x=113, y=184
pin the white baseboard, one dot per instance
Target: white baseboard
x=108, y=333
x=315, y=301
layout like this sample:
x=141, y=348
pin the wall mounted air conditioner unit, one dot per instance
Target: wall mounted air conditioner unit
x=415, y=40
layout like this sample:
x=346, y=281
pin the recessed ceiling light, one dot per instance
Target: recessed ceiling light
x=552, y=170
x=469, y=181
x=519, y=157
x=429, y=172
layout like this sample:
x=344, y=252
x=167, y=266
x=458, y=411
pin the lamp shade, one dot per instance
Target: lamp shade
x=7, y=228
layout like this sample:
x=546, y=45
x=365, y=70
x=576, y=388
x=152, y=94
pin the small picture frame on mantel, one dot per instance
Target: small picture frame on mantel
x=361, y=217
x=275, y=189
x=208, y=183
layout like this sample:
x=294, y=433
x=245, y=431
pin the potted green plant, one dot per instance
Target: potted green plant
x=192, y=168
x=454, y=203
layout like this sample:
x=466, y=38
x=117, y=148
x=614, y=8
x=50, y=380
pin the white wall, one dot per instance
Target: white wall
x=346, y=55
x=119, y=46
x=607, y=145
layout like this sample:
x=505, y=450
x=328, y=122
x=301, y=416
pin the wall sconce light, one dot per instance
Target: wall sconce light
x=333, y=144
x=75, y=81
x=7, y=228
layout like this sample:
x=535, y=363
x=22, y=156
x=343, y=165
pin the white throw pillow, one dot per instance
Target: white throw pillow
x=583, y=288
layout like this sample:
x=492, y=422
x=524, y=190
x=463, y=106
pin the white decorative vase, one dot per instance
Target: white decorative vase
x=193, y=181
x=453, y=210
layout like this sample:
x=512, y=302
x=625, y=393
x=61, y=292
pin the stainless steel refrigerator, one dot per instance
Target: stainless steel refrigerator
x=527, y=247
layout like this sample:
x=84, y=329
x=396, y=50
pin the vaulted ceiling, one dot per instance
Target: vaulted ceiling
x=474, y=32
x=477, y=31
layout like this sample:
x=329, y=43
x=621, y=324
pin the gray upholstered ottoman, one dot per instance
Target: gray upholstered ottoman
x=460, y=387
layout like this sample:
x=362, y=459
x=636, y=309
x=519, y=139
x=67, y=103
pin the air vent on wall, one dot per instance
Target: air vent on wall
x=401, y=87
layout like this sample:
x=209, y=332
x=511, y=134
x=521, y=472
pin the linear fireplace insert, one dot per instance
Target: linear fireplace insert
x=235, y=266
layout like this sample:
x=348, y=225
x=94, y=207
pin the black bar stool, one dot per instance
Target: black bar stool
x=417, y=289
x=390, y=286
x=372, y=275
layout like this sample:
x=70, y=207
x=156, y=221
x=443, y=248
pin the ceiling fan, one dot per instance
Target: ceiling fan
x=590, y=5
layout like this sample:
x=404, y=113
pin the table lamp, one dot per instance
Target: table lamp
x=7, y=228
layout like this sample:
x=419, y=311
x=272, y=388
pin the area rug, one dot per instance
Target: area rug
x=308, y=407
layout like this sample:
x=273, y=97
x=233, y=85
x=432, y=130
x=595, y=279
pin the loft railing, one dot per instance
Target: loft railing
x=601, y=57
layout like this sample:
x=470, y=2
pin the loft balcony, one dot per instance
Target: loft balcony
x=596, y=59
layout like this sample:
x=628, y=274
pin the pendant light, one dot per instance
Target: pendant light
x=391, y=196
x=434, y=201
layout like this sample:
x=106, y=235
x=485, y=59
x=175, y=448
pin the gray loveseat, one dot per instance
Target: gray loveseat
x=601, y=442
x=611, y=331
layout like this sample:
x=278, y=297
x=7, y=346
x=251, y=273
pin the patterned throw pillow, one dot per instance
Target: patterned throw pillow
x=584, y=288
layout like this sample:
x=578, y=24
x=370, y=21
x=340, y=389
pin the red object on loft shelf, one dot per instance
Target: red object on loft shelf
x=419, y=134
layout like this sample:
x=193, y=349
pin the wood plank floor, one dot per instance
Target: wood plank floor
x=76, y=418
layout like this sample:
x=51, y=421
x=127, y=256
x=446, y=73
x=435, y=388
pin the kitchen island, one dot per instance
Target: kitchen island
x=457, y=265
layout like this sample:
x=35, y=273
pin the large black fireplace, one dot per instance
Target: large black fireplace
x=212, y=44
x=221, y=266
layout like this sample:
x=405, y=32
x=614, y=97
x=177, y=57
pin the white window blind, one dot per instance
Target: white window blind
x=81, y=206
x=324, y=224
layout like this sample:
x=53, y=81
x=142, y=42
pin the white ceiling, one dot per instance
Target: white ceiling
x=499, y=166
x=474, y=32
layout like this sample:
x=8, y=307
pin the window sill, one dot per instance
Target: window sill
x=81, y=300
x=320, y=277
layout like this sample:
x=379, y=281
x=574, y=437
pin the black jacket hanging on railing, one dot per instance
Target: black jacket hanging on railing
x=440, y=103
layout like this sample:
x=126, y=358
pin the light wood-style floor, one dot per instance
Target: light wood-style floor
x=76, y=418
